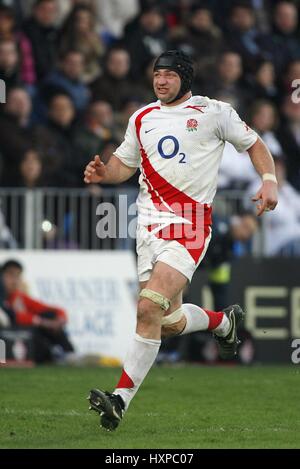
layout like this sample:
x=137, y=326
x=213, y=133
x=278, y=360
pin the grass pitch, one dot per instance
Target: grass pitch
x=179, y=407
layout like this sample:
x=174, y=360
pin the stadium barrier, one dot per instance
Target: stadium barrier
x=52, y=218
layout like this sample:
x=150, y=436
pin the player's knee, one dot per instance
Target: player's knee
x=148, y=312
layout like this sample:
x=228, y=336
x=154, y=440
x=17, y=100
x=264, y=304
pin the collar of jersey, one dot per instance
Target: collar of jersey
x=175, y=108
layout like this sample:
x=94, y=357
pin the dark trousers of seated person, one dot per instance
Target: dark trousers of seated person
x=46, y=340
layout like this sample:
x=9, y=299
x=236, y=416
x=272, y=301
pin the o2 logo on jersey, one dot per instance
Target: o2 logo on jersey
x=173, y=149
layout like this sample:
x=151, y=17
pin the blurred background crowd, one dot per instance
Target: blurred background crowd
x=75, y=70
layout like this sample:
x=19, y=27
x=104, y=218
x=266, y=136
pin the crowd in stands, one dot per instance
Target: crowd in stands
x=75, y=70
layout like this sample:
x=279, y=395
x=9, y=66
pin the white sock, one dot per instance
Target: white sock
x=199, y=320
x=224, y=327
x=138, y=362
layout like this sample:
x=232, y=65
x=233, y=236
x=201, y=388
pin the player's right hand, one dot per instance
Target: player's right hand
x=267, y=197
x=95, y=171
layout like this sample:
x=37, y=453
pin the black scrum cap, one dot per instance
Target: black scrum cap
x=180, y=63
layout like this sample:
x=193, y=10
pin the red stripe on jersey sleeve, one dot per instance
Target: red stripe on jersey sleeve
x=198, y=108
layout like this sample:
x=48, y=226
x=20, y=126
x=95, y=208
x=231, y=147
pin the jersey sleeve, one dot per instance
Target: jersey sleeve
x=232, y=129
x=128, y=152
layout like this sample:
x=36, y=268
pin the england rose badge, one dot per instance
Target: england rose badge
x=191, y=125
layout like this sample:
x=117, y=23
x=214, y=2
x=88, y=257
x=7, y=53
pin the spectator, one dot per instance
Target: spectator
x=79, y=33
x=281, y=227
x=113, y=16
x=7, y=22
x=9, y=64
x=55, y=141
x=29, y=171
x=263, y=82
x=51, y=338
x=147, y=39
x=244, y=37
x=114, y=85
x=285, y=33
x=8, y=32
x=66, y=6
x=15, y=124
x=63, y=8
x=18, y=8
x=96, y=132
x=264, y=119
x=228, y=80
x=289, y=137
x=68, y=79
x=42, y=32
x=201, y=39
x=289, y=77
x=122, y=118
x=19, y=105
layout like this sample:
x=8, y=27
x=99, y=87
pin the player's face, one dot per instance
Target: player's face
x=166, y=84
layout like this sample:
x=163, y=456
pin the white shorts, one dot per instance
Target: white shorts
x=151, y=249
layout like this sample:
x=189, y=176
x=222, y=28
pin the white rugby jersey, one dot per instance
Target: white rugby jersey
x=178, y=150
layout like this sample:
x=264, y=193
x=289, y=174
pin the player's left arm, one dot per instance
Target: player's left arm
x=267, y=195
